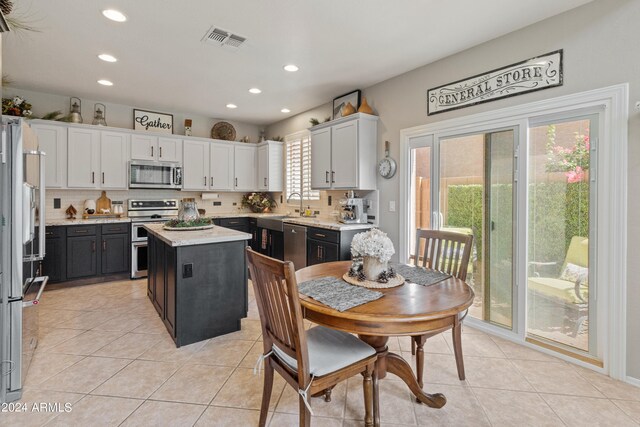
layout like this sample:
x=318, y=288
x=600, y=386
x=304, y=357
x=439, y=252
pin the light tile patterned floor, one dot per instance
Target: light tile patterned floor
x=104, y=350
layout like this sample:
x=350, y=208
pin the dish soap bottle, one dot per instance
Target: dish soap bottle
x=307, y=212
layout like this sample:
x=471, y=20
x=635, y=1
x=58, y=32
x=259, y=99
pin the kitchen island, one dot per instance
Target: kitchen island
x=198, y=281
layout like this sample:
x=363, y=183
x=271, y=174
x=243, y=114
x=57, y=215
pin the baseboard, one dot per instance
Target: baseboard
x=632, y=381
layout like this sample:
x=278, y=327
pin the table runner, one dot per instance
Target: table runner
x=419, y=275
x=337, y=294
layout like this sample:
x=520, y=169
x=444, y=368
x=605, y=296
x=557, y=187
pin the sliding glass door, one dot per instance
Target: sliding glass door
x=464, y=184
x=561, y=286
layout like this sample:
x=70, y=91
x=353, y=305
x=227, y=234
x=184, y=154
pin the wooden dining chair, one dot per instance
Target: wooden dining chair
x=449, y=253
x=310, y=361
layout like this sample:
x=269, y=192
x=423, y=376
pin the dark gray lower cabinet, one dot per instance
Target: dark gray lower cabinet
x=115, y=253
x=328, y=245
x=82, y=257
x=87, y=251
x=199, y=291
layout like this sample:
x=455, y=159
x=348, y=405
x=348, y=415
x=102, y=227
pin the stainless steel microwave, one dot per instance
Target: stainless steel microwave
x=154, y=174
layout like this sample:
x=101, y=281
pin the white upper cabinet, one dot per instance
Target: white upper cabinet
x=270, y=166
x=344, y=153
x=245, y=167
x=83, y=158
x=144, y=147
x=114, y=156
x=221, y=167
x=195, y=173
x=169, y=149
x=53, y=141
x=321, y=158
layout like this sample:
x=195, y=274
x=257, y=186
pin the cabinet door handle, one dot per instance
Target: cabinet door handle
x=103, y=177
x=93, y=177
x=211, y=181
x=93, y=246
x=104, y=245
x=160, y=151
x=236, y=182
x=152, y=151
x=326, y=177
x=333, y=176
x=318, y=252
x=265, y=182
x=205, y=181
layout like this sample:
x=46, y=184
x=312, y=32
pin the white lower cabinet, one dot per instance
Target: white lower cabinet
x=83, y=158
x=221, y=167
x=114, y=149
x=195, y=172
x=53, y=141
x=245, y=168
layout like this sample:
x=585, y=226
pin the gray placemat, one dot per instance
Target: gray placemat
x=419, y=275
x=337, y=294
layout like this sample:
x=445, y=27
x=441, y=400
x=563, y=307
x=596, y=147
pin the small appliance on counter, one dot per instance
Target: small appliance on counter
x=353, y=209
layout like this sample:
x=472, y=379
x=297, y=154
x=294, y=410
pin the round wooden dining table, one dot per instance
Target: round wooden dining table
x=406, y=310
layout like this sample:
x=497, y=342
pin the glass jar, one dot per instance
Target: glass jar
x=188, y=210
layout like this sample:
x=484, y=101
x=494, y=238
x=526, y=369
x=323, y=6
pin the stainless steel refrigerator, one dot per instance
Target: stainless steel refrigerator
x=22, y=202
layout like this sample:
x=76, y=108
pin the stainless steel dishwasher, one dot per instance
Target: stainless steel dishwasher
x=295, y=245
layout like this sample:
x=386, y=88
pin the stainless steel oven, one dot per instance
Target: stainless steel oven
x=148, y=174
x=144, y=212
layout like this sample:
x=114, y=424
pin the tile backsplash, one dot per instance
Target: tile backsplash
x=226, y=201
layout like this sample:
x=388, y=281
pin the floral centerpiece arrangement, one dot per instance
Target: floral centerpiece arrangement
x=16, y=106
x=375, y=249
x=258, y=202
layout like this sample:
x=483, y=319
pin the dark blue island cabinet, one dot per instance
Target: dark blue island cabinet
x=198, y=281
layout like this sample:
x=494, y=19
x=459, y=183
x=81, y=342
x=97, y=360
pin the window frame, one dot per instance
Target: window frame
x=303, y=138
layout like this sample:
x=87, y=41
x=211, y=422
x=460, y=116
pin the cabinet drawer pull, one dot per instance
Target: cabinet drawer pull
x=234, y=222
x=49, y=233
x=321, y=235
x=115, y=229
x=326, y=176
x=81, y=231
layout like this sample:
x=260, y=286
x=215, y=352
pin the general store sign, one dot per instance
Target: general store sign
x=533, y=74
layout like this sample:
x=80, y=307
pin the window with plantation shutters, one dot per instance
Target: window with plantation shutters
x=298, y=167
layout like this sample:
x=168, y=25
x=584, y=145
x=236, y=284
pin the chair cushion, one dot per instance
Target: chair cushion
x=563, y=290
x=329, y=351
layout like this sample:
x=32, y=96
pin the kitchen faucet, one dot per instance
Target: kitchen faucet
x=299, y=195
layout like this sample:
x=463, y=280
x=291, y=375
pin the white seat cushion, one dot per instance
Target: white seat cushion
x=329, y=351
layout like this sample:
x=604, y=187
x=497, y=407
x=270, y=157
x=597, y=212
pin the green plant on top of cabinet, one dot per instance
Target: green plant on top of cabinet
x=53, y=141
x=343, y=153
x=270, y=161
x=156, y=148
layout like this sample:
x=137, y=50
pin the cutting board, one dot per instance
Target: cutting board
x=103, y=202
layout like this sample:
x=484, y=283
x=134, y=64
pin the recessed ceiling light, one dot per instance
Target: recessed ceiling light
x=232, y=106
x=292, y=68
x=114, y=15
x=105, y=82
x=107, y=58
x=255, y=90
x=285, y=110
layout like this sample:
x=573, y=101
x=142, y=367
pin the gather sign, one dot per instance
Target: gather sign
x=152, y=121
x=533, y=74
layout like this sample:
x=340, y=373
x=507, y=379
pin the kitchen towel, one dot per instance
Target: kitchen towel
x=419, y=275
x=337, y=294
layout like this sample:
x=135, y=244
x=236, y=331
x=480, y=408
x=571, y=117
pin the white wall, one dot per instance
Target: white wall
x=600, y=49
x=119, y=115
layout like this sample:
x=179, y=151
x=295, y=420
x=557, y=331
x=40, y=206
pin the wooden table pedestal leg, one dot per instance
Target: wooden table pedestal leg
x=395, y=364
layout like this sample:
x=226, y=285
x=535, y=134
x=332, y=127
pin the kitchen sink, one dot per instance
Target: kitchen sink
x=275, y=223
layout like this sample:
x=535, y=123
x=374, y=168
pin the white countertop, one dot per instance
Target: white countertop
x=216, y=234
x=81, y=221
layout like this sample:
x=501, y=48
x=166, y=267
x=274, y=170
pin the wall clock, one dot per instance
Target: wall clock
x=387, y=166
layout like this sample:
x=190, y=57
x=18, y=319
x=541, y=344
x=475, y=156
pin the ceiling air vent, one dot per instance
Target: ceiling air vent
x=223, y=38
